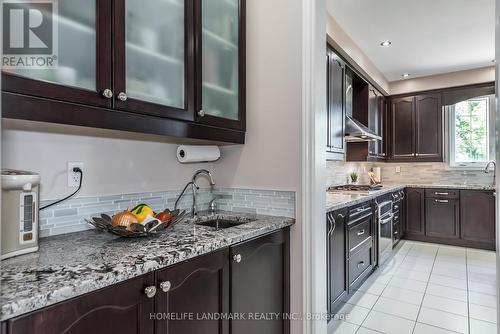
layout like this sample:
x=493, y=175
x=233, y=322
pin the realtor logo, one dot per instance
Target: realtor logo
x=29, y=34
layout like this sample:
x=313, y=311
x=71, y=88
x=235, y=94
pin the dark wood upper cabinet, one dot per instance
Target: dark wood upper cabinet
x=415, y=211
x=477, y=217
x=336, y=106
x=220, y=62
x=336, y=259
x=260, y=283
x=402, y=141
x=122, y=308
x=442, y=218
x=177, y=64
x=428, y=127
x=154, y=71
x=200, y=287
x=84, y=71
x=416, y=128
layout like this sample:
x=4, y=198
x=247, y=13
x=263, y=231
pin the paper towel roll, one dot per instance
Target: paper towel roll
x=193, y=153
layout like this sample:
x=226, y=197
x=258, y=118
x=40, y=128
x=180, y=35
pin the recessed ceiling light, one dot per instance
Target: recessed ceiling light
x=406, y=75
x=385, y=43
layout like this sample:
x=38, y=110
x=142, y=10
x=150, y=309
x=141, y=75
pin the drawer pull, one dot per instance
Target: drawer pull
x=361, y=264
x=395, y=232
x=444, y=194
x=165, y=286
x=150, y=291
x=361, y=232
x=441, y=201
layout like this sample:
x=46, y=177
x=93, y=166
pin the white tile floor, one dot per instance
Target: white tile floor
x=425, y=289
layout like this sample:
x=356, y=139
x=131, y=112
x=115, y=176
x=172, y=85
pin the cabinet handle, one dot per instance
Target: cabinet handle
x=441, y=201
x=395, y=232
x=150, y=291
x=165, y=286
x=361, y=232
x=438, y=193
x=122, y=97
x=237, y=258
x=361, y=264
x=201, y=113
x=107, y=93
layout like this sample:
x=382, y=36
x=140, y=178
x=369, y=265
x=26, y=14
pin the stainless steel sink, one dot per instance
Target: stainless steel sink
x=224, y=222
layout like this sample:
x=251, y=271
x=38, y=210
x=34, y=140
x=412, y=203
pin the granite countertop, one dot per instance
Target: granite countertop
x=339, y=200
x=70, y=265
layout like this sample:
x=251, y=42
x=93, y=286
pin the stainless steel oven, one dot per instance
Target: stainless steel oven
x=384, y=222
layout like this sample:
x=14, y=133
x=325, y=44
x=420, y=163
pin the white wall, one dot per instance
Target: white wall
x=115, y=162
x=453, y=79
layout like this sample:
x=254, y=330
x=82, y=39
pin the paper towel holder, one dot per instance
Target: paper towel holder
x=198, y=153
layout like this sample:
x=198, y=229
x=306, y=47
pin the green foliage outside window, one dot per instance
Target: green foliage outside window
x=471, y=131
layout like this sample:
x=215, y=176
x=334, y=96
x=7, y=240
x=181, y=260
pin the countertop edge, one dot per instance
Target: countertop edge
x=391, y=188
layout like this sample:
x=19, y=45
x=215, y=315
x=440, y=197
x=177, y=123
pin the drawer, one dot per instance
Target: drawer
x=359, y=263
x=442, y=193
x=360, y=210
x=359, y=233
x=397, y=196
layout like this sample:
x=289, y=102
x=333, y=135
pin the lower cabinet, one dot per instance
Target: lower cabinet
x=260, y=284
x=192, y=290
x=350, y=252
x=415, y=212
x=336, y=259
x=188, y=298
x=122, y=308
x=442, y=218
x=477, y=218
x=451, y=216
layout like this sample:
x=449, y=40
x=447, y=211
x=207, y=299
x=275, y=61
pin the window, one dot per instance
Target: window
x=471, y=140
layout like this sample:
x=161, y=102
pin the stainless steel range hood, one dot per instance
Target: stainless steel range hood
x=355, y=131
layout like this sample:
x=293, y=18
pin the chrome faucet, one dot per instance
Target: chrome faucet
x=194, y=188
x=487, y=169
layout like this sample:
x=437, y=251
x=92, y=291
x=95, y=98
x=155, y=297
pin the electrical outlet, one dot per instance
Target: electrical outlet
x=74, y=178
x=398, y=169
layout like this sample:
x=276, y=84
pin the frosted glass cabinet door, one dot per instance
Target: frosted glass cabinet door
x=79, y=37
x=220, y=23
x=153, y=62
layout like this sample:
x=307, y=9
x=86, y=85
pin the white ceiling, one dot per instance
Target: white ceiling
x=428, y=36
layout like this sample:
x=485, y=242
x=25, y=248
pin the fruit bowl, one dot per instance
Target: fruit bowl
x=147, y=228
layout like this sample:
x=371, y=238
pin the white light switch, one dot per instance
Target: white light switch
x=398, y=169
